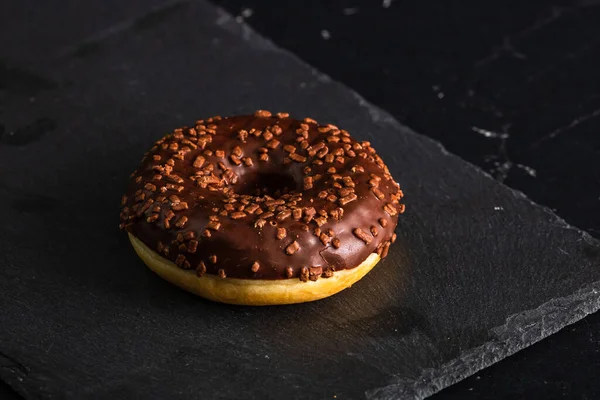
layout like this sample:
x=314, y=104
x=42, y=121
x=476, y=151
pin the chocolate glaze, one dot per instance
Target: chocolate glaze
x=193, y=199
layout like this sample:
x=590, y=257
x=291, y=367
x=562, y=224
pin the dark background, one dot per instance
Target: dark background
x=510, y=86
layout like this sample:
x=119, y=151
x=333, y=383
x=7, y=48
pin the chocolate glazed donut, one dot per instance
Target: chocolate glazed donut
x=261, y=209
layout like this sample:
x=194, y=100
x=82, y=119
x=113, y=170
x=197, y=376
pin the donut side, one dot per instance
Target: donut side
x=252, y=292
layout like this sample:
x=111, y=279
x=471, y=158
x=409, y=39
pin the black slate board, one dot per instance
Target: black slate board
x=477, y=273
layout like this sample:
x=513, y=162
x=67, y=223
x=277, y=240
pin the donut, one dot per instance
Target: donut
x=261, y=209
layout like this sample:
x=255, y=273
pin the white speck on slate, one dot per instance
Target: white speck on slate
x=350, y=10
x=386, y=3
x=489, y=134
x=528, y=169
x=247, y=12
x=437, y=89
x=498, y=208
x=325, y=34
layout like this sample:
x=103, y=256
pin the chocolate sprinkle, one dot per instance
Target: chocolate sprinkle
x=281, y=233
x=386, y=247
x=292, y=248
x=362, y=235
x=201, y=269
x=304, y=274
x=237, y=215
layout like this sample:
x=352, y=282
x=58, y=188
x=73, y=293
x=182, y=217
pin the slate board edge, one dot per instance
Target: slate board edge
x=530, y=324
x=11, y=373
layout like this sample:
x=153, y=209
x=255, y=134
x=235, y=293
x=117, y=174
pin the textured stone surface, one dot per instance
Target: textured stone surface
x=477, y=273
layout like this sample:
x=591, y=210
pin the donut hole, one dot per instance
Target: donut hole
x=272, y=184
